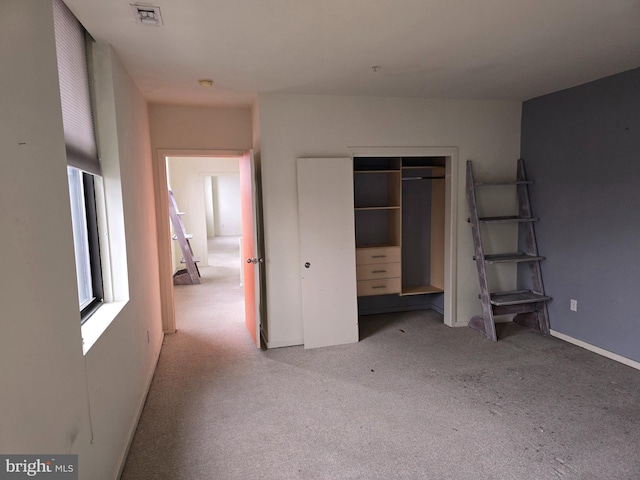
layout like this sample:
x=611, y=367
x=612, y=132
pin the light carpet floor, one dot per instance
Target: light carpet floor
x=413, y=399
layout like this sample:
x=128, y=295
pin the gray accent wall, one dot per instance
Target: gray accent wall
x=581, y=147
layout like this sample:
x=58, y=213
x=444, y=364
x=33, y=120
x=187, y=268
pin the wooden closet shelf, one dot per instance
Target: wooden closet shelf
x=422, y=289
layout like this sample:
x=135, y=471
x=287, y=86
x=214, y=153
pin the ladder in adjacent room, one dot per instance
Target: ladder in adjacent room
x=190, y=275
x=529, y=306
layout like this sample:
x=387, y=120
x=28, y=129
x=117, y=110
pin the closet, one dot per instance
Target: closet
x=388, y=255
x=399, y=225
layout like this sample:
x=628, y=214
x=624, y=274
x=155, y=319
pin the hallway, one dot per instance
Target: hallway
x=210, y=349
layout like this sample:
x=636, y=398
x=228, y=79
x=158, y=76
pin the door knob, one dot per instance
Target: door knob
x=307, y=265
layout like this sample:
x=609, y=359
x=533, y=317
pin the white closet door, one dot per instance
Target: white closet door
x=327, y=251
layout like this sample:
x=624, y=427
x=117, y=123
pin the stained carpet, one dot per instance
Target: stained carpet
x=413, y=399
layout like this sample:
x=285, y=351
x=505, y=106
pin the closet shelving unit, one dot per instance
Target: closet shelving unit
x=378, y=217
x=399, y=218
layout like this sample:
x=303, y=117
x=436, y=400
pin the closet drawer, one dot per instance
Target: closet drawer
x=383, y=286
x=365, y=256
x=378, y=270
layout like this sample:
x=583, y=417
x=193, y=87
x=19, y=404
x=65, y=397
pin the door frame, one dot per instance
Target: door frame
x=451, y=213
x=165, y=263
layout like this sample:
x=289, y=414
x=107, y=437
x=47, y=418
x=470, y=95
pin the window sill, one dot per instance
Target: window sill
x=95, y=326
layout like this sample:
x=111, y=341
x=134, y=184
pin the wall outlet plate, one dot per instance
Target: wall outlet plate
x=573, y=305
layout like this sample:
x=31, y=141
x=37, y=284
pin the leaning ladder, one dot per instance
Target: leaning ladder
x=529, y=306
x=191, y=275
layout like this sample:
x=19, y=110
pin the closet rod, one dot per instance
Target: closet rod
x=421, y=178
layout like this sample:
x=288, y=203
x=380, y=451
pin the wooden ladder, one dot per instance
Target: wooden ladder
x=190, y=275
x=529, y=306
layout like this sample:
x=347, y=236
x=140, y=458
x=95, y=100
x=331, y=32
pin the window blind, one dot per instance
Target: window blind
x=75, y=94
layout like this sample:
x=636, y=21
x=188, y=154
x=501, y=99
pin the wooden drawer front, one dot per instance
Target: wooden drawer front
x=378, y=287
x=366, y=256
x=378, y=270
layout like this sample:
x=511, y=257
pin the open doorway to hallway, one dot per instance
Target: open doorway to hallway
x=192, y=177
x=207, y=192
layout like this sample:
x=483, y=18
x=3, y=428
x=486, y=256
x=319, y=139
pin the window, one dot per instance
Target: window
x=85, y=240
x=82, y=153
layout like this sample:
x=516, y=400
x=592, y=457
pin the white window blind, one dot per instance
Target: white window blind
x=75, y=95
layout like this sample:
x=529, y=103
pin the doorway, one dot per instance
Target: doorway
x=194, y=175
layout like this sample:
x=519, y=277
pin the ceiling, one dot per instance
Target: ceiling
x=470, y=49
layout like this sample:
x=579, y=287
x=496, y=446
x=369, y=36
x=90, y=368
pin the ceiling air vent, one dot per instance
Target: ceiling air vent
x=147, y=15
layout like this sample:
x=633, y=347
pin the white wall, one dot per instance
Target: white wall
x=121, y=363
x=200, y=128
x=222, y=205
x=53, y=398
x=178, y=129
x=187, y=176
x=208, y=206
x=43, y=398
x=294, y=126
x=227, y=205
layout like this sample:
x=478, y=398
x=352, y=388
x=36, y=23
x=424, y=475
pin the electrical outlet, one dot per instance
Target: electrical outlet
x=573, y=306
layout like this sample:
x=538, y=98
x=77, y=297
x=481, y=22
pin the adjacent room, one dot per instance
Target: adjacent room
x=350, y=260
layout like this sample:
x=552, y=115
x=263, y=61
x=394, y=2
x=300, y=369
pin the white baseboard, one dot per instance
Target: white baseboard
x=600, y=351
x=285, y=343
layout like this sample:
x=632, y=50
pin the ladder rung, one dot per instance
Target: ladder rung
x=511, y=258
x=502, y=184
x=517, y=297
x=195, y=259
x=508, y=219
x=188, y=236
